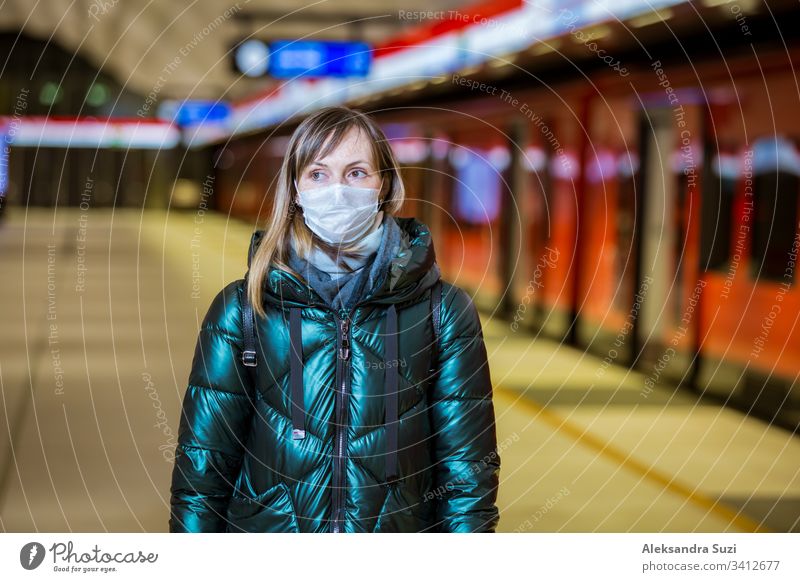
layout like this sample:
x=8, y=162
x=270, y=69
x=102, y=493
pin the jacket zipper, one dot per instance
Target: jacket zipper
x=343, y=360
x=343, y=367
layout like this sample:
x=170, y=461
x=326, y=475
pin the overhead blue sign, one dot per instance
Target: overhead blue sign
x=315, y=58
x=5, y=140
x=191, y=112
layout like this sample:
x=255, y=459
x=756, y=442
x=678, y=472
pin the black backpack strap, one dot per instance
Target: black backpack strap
x=255, y=240
x=436, y=316
x=248, y=315
x=249, y=328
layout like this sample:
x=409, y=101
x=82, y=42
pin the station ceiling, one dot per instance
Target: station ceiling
x=182, y=49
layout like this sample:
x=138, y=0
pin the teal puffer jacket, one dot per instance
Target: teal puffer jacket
x=312, y=444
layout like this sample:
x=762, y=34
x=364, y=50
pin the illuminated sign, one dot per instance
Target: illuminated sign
x=251, y=58
x=4, y=141
x=193, y=111
x=90, y=132
x=313, y=58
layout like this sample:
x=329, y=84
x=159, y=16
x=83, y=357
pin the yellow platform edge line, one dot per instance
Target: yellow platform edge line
x=580, y=435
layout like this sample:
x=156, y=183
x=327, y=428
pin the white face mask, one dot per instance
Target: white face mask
x=338, y=213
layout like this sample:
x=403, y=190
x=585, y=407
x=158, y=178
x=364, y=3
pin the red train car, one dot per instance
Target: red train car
x=648, y=215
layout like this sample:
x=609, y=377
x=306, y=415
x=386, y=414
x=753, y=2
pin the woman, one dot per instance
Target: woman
x=342, y=427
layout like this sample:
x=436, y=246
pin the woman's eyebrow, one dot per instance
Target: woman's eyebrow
x=317, y=163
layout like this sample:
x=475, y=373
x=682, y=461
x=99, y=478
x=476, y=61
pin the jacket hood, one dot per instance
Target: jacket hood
x=412, y=271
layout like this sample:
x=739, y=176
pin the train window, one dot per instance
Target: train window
x=776, y=167
x=628, y=169
x=679, y=245
x=478, y=183
x=684, y=168
x=535, y=161
x=717, y=212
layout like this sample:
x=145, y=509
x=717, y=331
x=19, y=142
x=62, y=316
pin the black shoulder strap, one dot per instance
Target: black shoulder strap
x=436, y=316
x=255, y=240
x=249, y=353
x=249, y=327
x=248, y=316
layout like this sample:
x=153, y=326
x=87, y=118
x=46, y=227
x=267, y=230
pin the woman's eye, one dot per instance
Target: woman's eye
x=361, y=173
x=316, y=175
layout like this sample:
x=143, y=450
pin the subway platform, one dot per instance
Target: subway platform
x=100, y=319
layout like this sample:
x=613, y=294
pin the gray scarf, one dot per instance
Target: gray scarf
x=344, y=291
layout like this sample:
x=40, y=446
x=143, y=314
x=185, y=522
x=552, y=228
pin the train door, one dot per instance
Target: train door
x=670, y=282
x=536, y=208
x=657, y=240
x=477, y=174
x=412, y=151
x=608, y=271
x=552, y=162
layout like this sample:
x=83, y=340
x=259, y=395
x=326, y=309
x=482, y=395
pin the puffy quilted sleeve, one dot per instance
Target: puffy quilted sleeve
x=215, y=417
x=467, y=463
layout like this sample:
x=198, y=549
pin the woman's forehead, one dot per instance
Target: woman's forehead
x=354, y=145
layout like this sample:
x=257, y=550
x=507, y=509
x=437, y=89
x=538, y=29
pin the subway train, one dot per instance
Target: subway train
x=644, y=208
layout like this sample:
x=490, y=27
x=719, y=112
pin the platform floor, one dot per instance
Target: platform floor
x=99, y=320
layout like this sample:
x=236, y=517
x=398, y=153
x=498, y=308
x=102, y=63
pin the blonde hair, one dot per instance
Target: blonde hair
x=308, y=142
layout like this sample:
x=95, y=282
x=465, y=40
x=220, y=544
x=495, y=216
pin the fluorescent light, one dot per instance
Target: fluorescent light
x=593, y=33
x=504, y=61
x=543, y=48
x=651, y=18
